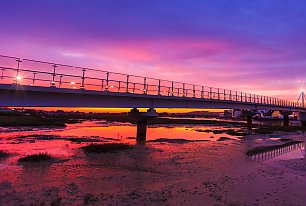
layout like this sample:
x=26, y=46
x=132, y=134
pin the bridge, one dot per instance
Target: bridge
x=33, y=83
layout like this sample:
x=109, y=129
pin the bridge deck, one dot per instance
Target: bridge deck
x=37, y=83
x=35, y=96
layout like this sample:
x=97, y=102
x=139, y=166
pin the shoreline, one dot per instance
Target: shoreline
x=222, y=174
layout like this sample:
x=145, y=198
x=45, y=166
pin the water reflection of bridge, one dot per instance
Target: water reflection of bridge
x=276, y=150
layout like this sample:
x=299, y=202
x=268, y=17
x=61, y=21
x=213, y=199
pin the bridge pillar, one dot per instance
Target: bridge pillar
x=141, y=134
x=302, y=118
x=249, y=121
x=286, y=120
x=142, y=119
x=286, y=117
x=248, y=114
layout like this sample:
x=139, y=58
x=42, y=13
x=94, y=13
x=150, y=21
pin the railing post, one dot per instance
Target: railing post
x=168, y=91
x=264, y=99
x=202, y=92
x=107, y=81
x=257, y=98
x=172, y=88
x=193, y=87
x=34, y=75
x=241, y=96
x=60, y=81
x=159, y=87
x=230, y=95
x=18, y=78
x=83, y=78
x=102, y=84
x=184, y=90
x=144, y=85
x=127, y=83
x=218, y=94
x=119, y=86
x=134, y=84
x=2, y=72
x=210, y=92
x=53, y=76
x=236, y=97
x=224, y=94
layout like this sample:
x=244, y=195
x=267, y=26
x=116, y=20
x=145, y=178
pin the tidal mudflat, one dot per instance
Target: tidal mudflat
x=177, y=166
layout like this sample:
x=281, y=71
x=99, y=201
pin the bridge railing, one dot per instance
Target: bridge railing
x=39, y=73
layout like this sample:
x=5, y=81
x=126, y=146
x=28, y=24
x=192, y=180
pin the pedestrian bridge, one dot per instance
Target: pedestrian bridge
x=32, y=83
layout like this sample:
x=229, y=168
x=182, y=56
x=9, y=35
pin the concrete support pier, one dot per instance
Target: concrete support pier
x=286, y=120
x=141, y=130
x=286, y=117
x=302, y=118
x=249, y=121
x=142, y=119
x=249, y=116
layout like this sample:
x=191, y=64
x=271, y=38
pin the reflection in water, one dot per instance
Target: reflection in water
x=274, y=152
x=64, y=142
x=124, y=131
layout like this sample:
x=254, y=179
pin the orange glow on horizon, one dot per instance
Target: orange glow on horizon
x=118, y=110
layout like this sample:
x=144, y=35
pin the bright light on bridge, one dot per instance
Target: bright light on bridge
x=18, y=78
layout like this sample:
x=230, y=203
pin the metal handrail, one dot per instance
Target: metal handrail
x=107, y=83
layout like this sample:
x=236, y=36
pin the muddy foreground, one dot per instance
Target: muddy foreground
x=191, y=173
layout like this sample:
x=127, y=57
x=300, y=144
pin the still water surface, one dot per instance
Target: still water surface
x=26, y=140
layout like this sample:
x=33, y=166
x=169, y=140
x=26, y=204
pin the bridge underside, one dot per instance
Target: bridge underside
x=32, y=96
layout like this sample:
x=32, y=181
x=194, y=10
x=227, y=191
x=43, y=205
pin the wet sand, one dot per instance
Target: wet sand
x=194, y=173
x=177, y=166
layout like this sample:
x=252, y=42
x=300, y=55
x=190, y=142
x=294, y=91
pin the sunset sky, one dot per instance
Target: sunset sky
x=253, y=46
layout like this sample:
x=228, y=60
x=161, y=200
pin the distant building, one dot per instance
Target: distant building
x=228, y=114
x=236, y=113
x=266, y=114
x=276, y=115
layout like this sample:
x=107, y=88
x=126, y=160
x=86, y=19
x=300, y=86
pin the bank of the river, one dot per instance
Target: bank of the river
x=181, y=171
x=260, y=127
x=23, y=121
x=193, y=173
